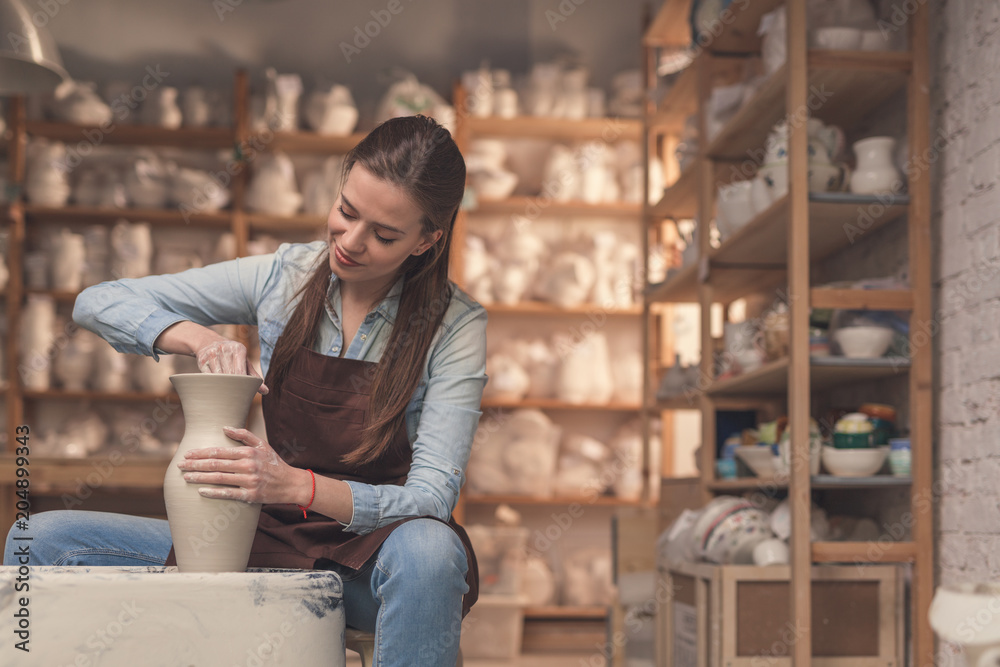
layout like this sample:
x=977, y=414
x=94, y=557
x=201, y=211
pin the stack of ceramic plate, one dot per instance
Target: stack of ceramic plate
x=728, y=530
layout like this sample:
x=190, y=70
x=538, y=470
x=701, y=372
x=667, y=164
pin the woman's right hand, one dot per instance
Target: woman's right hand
x=229, y=357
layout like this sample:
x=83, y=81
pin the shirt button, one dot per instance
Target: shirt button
x=364, y=336
x=336, y=349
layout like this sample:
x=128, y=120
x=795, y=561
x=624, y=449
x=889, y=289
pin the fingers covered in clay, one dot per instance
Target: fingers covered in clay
x=227, y=357
x=253, y=474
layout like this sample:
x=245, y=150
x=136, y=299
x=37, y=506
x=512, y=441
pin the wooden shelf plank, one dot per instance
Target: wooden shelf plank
x=125, y=396
x=555, y=404
x=873, y=482
x=605, y=129
x=540, y=206
x=88, y=215
x=861, y=299
x=680, y=102
x=680, y=200
x=670, y=26
x=567, y=612
x=818, y=482
x=198, y=138
x=262, y=222
x=863, y=552
x=850, y=92
x=753, y=258
x=134, y=472
x=825, y=372
x=310, y=142
x=541, y=308
x=681, y=402
x=60, y=296
x=680, y=287
x=499, y=499
x=748, y=484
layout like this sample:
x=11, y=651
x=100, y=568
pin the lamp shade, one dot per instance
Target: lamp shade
x=29, y=59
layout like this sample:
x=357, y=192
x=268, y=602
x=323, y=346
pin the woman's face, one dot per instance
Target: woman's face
x=373, y=228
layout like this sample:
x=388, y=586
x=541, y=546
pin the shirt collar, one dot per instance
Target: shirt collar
x=387, y=308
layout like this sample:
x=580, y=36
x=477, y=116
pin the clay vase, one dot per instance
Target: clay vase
x=209, y=535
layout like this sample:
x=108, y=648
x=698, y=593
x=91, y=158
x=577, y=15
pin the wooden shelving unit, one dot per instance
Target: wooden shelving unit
x=135, y=473
x=609, y=130
x=775, y=250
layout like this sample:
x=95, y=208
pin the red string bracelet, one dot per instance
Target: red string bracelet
x=312, y=497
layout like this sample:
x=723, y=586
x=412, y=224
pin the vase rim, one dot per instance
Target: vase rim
x=219, y=377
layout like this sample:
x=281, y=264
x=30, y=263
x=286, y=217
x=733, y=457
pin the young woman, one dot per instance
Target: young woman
x=374, y=368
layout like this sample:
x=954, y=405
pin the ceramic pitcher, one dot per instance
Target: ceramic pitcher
x=209, y=535
x=876, y=172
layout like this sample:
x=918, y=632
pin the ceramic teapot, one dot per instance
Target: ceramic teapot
x=197, y=189
x=77, y=102
x=331, y=110
x=147, y=181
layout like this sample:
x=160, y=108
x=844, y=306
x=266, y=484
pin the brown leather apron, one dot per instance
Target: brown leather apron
x=316, y=420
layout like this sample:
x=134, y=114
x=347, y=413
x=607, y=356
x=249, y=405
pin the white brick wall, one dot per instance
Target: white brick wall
x=965, y=94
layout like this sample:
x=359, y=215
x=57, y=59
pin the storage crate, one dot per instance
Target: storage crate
x=739, y=616
x=500, y=553
x=494, y=628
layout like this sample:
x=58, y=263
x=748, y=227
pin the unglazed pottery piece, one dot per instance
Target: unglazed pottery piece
x=156, y=616
x=210, y=535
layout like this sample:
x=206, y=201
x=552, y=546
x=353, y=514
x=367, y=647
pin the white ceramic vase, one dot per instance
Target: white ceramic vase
x=876, y=173
x=68, y=254
x=209, y=535
x=161, y=109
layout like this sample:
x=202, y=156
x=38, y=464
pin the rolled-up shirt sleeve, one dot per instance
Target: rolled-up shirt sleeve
x=448, y=419
x=132, y=313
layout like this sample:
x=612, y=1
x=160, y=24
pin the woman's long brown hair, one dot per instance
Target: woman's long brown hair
x=420, y=157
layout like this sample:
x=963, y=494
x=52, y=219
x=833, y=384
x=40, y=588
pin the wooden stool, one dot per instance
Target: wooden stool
x=363, y=643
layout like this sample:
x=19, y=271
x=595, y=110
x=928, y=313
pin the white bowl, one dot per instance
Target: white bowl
x=854, y=462
x=837, y=38
x=863, y=342
x=758, y=458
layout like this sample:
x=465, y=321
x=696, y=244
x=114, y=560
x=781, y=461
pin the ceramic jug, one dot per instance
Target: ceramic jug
x=67, y=261
x=876, y=172
x=133, y=248
x=209, y=535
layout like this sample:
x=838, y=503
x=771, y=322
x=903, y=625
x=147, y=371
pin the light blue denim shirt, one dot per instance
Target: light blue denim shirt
x=441, y=418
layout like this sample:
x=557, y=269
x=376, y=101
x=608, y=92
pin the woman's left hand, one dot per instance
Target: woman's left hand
x=253, y=474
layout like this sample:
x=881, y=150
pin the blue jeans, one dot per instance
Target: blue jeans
x=409, y=594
